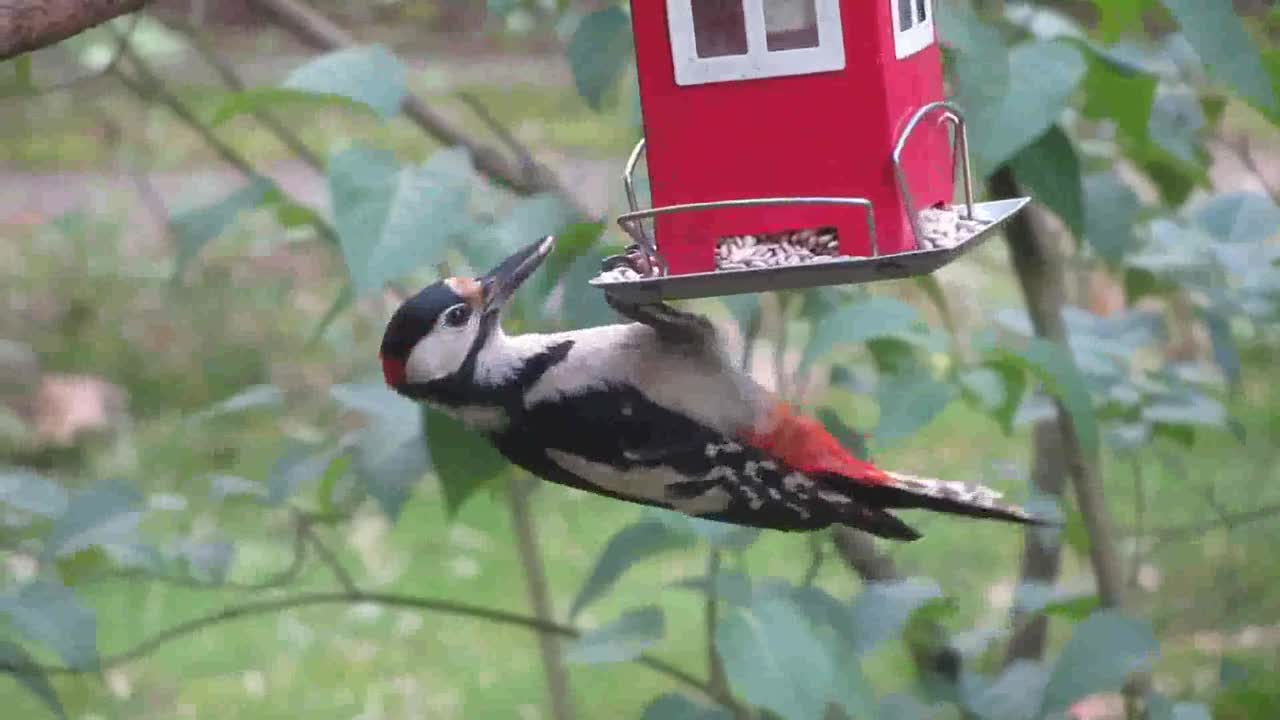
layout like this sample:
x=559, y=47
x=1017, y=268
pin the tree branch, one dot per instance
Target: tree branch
x=1229, y=521
x=318, y=31
x=148, y=85
x=539, y=597
x=1040, y=275
x=1040, y=563
x=448, y=607
x=27, y=25
x=329, y=558
x=232, y=80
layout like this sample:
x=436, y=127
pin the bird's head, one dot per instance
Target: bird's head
x=438, y=333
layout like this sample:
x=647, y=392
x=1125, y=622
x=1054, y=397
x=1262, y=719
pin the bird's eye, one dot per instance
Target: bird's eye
x=457, y=315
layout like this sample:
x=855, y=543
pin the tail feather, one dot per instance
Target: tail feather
x=952, y=497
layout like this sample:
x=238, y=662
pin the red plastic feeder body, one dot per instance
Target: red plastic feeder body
x=788, y=98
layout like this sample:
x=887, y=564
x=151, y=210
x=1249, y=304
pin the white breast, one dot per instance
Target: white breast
x=703, y=387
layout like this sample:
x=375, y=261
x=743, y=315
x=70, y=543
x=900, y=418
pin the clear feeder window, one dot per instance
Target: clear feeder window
x=790, y=24
x=726, y=40
x=719, y=28
x=912, y=26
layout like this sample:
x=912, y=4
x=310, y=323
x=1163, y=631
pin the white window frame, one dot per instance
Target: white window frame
x=759, y=61
x=915, y=38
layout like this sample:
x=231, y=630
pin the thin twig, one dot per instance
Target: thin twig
x=330, y=559
x=263, y=607
x=148, y=85
x=282, y=577
x=1139, y=517
x=1228, y=521
x=528, y=164
x=535, y=574
x=304, y=23
x=232, y=80
x=780, y=345
x=711, y=610
x=817, y=556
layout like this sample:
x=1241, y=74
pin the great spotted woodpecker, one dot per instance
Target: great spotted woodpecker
x=651, y=411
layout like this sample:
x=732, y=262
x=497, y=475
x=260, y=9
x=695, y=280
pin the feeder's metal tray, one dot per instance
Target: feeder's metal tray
x=844, y=271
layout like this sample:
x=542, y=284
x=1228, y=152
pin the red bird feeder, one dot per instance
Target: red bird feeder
x=792, y=144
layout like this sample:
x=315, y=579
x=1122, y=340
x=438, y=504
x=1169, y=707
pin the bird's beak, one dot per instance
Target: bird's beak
x=498, y=285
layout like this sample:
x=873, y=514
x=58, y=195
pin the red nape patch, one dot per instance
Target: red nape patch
x=803, y=444
x=393, y=371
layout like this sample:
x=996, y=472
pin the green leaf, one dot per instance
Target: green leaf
x=252, y=397
x=1013, y=377
x=773, y=659
x=1225, y=352
x=599, y=51
x=725, y=536
x=899, y=706
x=1239, y=217
x=907, y=404
x=674, y=706
x=852, y=440
x=222, y=487
x=1121, y=93
x=463, y=459
x=621, y=640
x=390, y=453
x=24, y=490
x=368, y=76
x=298, y=466
x=1044, y=76
x=48, y=613
x=1224, y=46
x=1160, y=707
x=1111, y=212
x=196, y=227
x=1176, y=123
x=745, y=310
x=1076, y=533
x=882, y=610
x=1035, y=597
x=1102, y=653
x=255, y=100
x=865, y=320
x=983, y=386
x=105, y=514
x=1050, y=169
x=630, y=545
x=1053, y=366
x=573, y=244
x=208, y=561
x=1014, y=695
x=391, y=220
x=980, y=66
x=1118, y=16
x=33, y=679
x=77, y=568
x=1191, y=409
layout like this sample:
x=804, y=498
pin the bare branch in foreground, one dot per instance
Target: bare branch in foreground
x=27, y=25
x=449, y=607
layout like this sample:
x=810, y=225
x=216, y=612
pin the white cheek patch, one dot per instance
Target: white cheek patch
x=441, y=353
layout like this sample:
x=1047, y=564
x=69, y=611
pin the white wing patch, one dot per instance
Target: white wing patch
x=646, y=483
